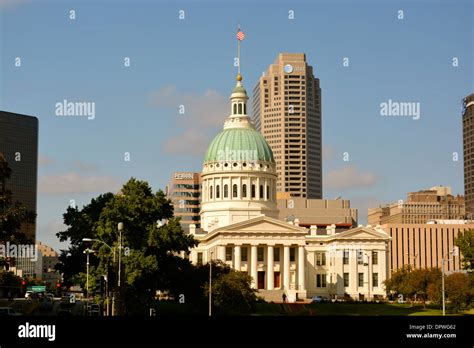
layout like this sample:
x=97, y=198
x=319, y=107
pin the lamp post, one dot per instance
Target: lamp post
x=107, y=280
x=120, y=228
x=87, y=252
x=368, y=275
x=210, y=285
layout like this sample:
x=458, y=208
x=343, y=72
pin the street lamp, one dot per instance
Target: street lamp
x=107, y=281
x=210, y=285
x=120, y=228
x=368, y=275
x=87, y=252
x=443, y=260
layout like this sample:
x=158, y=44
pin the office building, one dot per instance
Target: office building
x=19, y=146
x=184, y=190
x=319, y=212
x=437, y=203
x=287, y=111
x=468, y=149
x=424, y=245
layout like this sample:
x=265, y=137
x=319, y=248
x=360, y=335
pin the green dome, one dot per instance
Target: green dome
x=239, y=144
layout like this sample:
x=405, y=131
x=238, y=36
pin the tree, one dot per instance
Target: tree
x=12, y=214
x=232, y=293
x=459, y=290
x=9, y=282
x=465, y=242
x=82, y=223
x=151, y=258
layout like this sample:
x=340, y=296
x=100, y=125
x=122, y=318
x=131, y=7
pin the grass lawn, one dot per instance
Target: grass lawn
x=351, y=309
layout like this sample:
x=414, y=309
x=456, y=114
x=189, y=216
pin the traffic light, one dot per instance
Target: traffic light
x=23, y=282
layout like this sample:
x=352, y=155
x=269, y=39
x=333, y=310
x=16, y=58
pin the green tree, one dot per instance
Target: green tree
x=10, y=282
x=465, y=242
x=459, y=290
x=12, y=214
x=232, y=293
x=82, y=223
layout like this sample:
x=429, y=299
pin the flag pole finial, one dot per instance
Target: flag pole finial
x=240, y=37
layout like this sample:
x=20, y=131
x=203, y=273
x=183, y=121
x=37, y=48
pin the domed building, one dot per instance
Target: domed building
x=239, y=172
x=240, y=226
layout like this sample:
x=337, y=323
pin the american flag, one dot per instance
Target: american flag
x=240, y=35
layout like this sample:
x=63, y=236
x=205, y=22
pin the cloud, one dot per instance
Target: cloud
x=349, y=177
x=44, y=160
x=203, y=117
x=73, y=183
x=85, y=166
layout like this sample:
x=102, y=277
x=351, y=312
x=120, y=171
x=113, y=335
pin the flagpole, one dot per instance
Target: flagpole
x=238, y=51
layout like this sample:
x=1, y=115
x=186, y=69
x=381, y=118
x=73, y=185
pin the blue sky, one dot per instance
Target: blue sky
x=190, y=62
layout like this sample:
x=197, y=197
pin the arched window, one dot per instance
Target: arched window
x=245, y=109
x=244, y=191
x=218, y=191
x=240, y=108
x=261, y=192
x=268, y=192
x=210, y=192
x=234, y=191
x=226, y=191
x=253, y=191
x=235, y=108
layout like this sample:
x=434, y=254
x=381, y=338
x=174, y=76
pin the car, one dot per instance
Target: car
x=8, y=311
x=67, y=301
x=317, y=299
x=29, y=295
x=94, y=309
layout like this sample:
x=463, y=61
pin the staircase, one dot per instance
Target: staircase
x=271, y=295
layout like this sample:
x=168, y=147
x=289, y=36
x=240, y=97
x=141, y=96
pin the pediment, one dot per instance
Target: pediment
x=261, y=224
x=362, y=233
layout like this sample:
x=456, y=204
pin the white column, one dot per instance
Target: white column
x=221, y=252
x=237, y=257
x=286, y=267
x=301, y=268
x=270, y=276
x=253, y=265
x=193, y=256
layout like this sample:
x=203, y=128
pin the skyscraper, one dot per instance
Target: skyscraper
x=287, y=111
x=468, y=149
x=184, y=191
x=19, y=146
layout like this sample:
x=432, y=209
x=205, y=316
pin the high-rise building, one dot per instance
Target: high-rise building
x=287, y=111
x=184, y=190
x=468, y=149
x=437, y=203
x=19, y=146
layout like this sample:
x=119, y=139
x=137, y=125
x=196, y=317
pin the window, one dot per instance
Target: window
x=199, y=258
x=244, y=191
x=253, y=191
x=292, y=254
x=261, y=192
x=321, y=259
x=360, y=257
x=228, y=253
x=240, y=108
x=268, y=192
x=361, y=280
x=226, y=191
x=245, y=109
x=235, y=109
x=345, y=259
x=260, y=254
x=218, y=191
x=375, y=280
x=346, y=280
x=244, y=254
x=320, y=280
x=210, y=192
x=276, y=254
x=375, y=257
x=234, y=191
